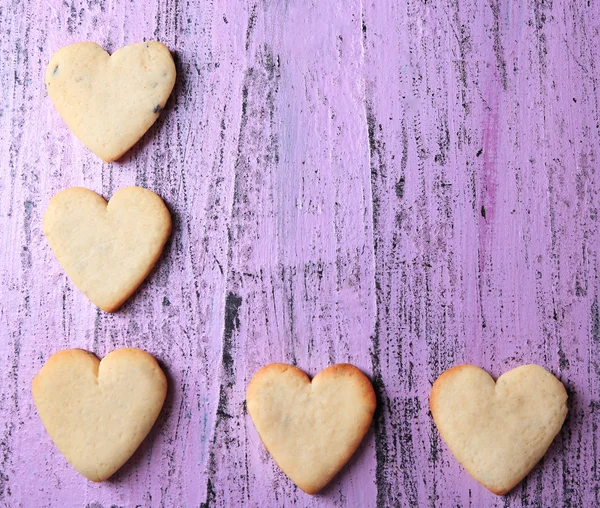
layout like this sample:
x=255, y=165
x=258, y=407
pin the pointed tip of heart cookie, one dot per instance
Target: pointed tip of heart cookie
x=110, y=307
x=311, y=490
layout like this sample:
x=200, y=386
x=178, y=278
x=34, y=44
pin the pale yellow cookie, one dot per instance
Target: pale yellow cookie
x=98, y=412
x=498, y=431
x=109, y=102
x=107, y=250
x=311, y=429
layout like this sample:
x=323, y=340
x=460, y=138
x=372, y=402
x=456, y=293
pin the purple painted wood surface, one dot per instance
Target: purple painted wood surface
x=400, y=185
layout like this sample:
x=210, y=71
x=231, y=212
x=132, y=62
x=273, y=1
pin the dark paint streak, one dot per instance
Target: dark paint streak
x=6, y=453
x=256, y=151
x=595, y=316
x=463, y=38
x=409, y=410
x=400, y=188
x=383, y=455
x=233, y=303
x=211, y=495
x=251, y=23
x=498, y=49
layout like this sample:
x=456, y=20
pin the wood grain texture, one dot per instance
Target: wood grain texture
x=399, y=185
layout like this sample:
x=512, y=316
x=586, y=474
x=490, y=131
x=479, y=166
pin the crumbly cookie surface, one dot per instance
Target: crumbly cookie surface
x=107, y=250
x=110, y=101
x=498, y=430
x=311, y=429
x=98, y=412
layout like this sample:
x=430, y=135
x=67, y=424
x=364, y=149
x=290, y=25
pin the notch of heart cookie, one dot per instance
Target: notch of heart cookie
x=311, y=428
x=110, y=101
x=107, y=249
x=97, y=413
x=498, y=431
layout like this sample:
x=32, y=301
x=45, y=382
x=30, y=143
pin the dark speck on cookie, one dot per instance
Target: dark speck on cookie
x=157, y=109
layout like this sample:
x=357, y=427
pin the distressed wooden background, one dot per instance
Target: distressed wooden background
x=403, y=185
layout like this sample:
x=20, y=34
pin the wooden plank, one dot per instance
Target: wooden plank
x=400, y=185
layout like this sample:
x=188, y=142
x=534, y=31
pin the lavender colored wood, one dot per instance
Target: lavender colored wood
x=400, y=185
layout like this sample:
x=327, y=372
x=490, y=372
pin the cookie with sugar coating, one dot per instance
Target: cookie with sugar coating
x=311, y=429
x=96, y=412
x=498, y=430
x=110, y=101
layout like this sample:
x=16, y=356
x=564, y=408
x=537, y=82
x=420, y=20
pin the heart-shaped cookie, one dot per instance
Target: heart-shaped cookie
x=107, y=250
x=98, y=412
x=109, y=102
x=498, y=431
x=311, y=429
